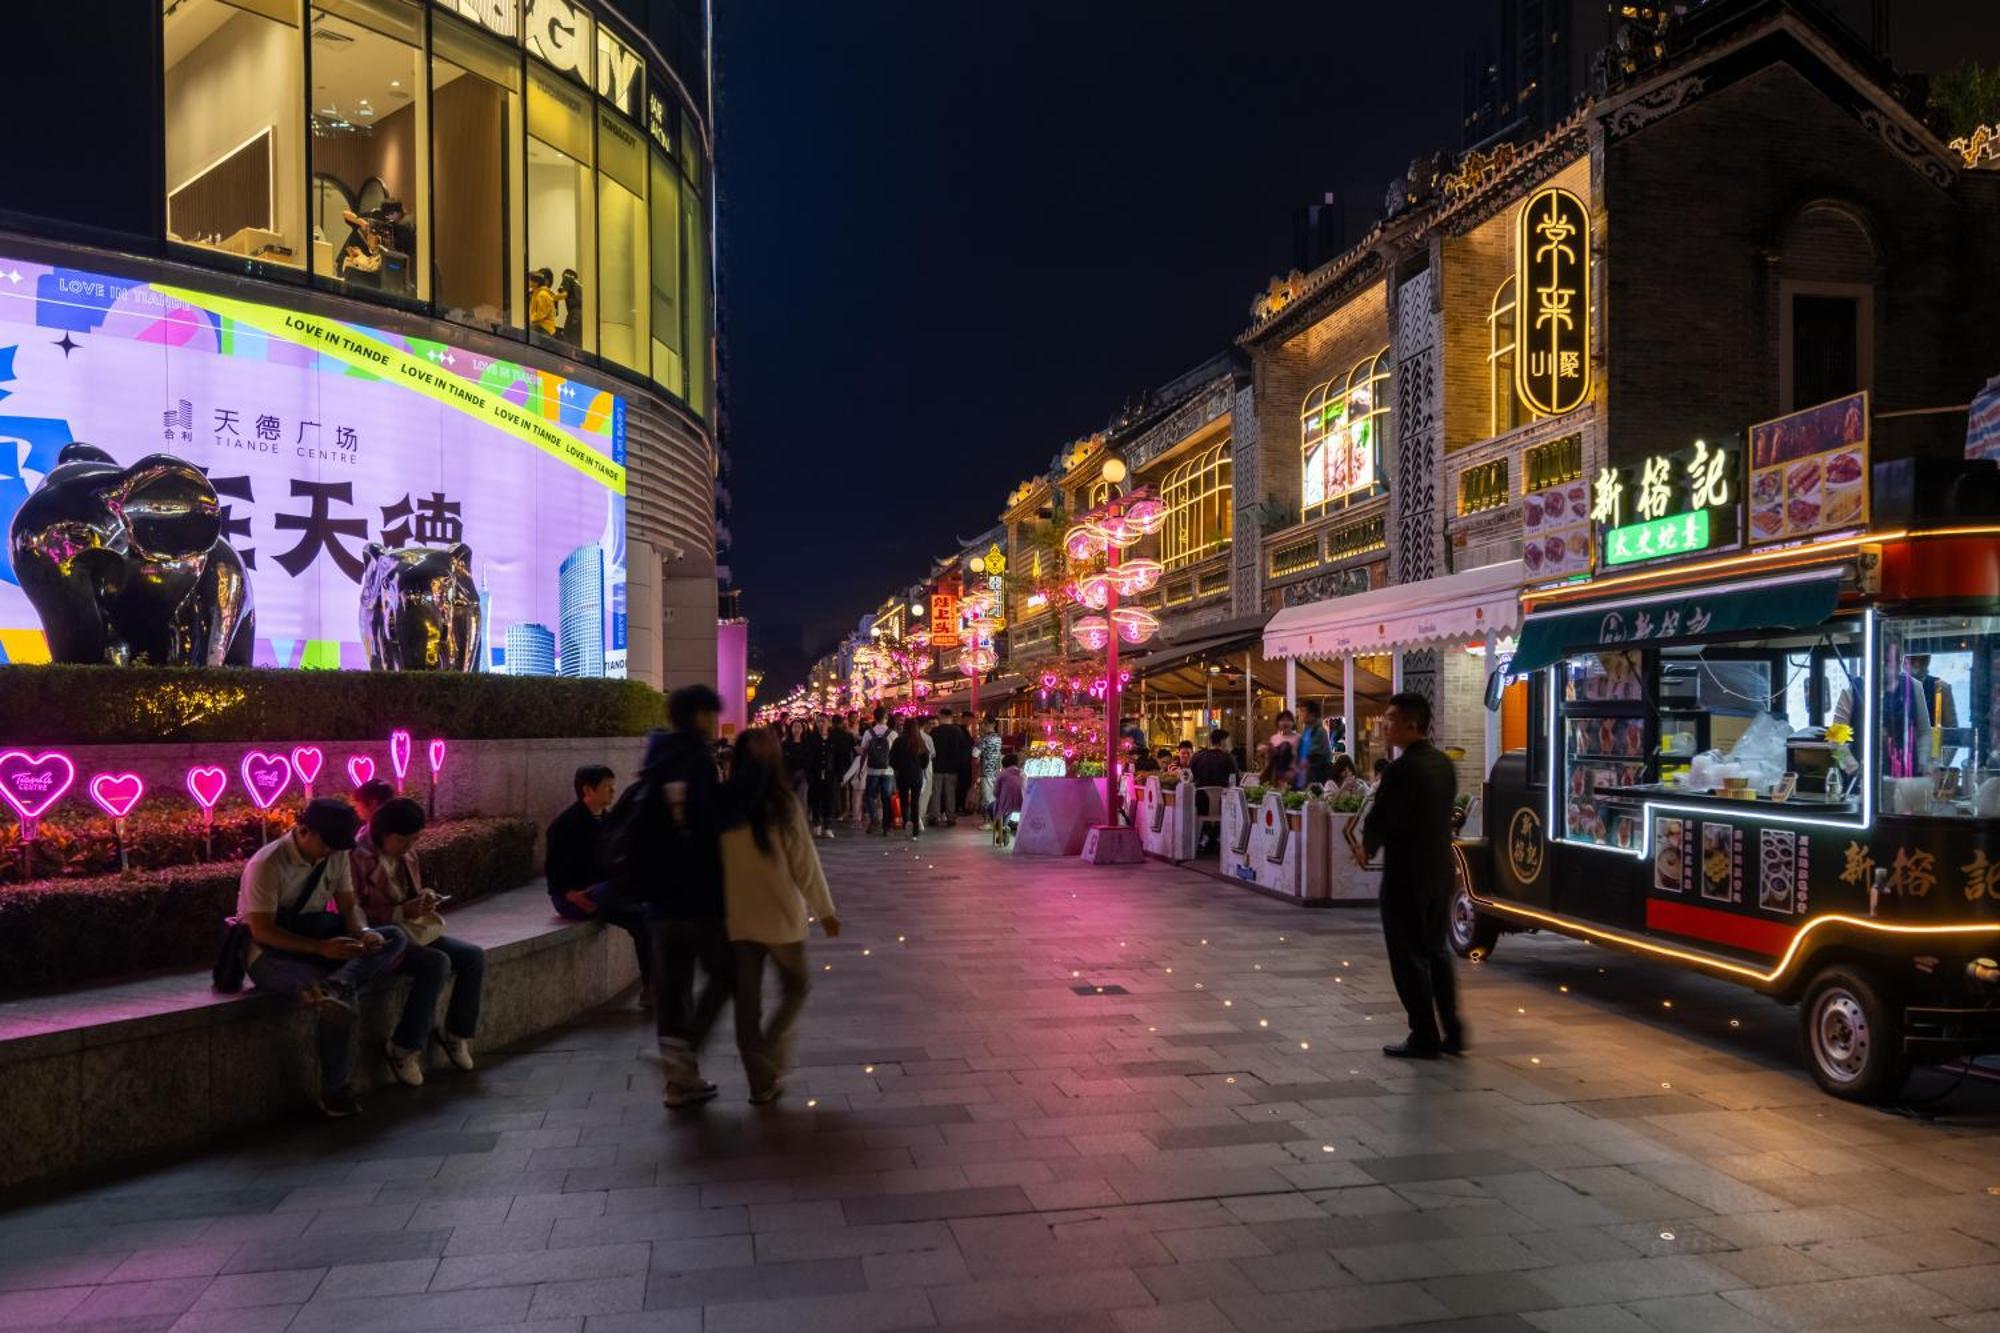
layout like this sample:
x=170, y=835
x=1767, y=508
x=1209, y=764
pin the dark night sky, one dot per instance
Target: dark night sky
x=957, y=235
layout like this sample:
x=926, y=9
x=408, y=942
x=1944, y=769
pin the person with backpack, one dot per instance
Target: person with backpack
x=663, y=848
x=579, y=886
x=910, y=760
x=878, y=777
x=774, y=887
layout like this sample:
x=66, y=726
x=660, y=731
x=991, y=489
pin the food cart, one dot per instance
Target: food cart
x=1778, y=765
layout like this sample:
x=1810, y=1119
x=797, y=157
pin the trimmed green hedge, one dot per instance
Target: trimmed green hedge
x=60, y=932
x=104, y=705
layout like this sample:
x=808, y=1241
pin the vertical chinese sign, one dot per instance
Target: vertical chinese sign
x=1552, y=306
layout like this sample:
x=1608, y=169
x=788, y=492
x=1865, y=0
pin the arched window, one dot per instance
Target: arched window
x=1197, y=496
x=1504, y=405
x=1340, y=429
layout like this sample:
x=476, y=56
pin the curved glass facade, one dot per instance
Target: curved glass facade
x=532, y=168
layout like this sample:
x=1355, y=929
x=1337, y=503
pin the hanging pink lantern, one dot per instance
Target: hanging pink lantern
x=1145, y=515
x=1092, y=633
x=1138, y=576
x=1083, y=541
x=1135, y=624
x=1095, y=591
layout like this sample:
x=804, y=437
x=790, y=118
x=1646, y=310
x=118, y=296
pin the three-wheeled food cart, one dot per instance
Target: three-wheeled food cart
x=1776, y=766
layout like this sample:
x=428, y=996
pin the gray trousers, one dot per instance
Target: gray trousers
x=766, y=1048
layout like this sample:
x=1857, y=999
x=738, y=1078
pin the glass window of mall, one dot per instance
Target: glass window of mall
x=511, y=165
x=1340, y=426
x=1197, y=497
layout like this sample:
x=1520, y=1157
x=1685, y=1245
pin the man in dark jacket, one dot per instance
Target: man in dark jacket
x=575, y=870
x=1409, y=822
x=953, y=767
x=838, y=757
x=666, y=851
x=1213, y=767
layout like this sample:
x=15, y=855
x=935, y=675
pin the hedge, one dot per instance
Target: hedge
x=106, y=705
x=58, y=933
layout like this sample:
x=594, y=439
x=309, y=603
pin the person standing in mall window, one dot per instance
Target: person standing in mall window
x=541, y=302
x=572, y=299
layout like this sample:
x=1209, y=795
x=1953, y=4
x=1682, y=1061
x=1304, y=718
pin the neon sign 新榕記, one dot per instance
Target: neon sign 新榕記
x=1668, y=505
x=1552, y=239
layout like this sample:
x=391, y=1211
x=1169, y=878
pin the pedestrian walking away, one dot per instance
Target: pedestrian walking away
x=774, y=888
x=1410, y=824
x=911, y=761
x=878, y=776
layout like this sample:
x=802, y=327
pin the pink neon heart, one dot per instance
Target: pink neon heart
x=399, y=751
x=360, y=768
x=206, y=784
x=437, y=755
x=33, y=783
x=306, y=760
x=117, y=793
x=265, y=777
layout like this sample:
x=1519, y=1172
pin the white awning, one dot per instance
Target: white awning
x=1470, y=604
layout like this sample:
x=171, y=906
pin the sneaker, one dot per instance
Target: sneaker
x=339, y=1105
x=331, y=1001
x=765, y=1096
x=456, y=1049
x=688, y=1094
x=407, y=1066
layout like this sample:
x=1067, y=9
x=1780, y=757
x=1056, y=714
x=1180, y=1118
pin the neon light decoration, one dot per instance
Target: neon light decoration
x=265, y=777
x=1137, y=576
x=32, y=784
x=206, y=783
x=306, y=761
x=1092, y=633
x=116, y=793
x=1135, y=624
x=1552, y=261
x=1095, y=591
x=1083, y=541
x=360, y=769
x=435, y=754
x=399, y=753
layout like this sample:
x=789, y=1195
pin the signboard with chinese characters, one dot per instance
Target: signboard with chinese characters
x=1669, y=505
x=320, y=437
x=1809, y=471
x=1552, y=305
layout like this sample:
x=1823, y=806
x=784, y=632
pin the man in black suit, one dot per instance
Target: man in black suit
x=1410, y=823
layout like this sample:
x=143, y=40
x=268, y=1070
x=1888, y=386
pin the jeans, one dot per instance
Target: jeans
x=291, y=973
x=767, y=1048
x=683, y=1017
x=613, y=911
x=876, y=791
x=465, y=968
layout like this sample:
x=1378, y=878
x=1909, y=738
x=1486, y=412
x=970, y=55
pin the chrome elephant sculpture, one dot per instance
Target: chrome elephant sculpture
x=128, y=565
x=419, y=608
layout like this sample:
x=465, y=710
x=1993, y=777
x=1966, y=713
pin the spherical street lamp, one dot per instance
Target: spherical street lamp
x=1114, y=470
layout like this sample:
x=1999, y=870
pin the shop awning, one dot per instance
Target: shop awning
x=991, y=694
x=1793, y=601
x=1470, y=604
x=1225, y=638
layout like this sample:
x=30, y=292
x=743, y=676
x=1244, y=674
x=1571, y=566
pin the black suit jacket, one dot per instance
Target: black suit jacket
x=1410, y=823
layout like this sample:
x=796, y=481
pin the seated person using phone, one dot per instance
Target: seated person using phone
x=309, y=940
x=390, y=885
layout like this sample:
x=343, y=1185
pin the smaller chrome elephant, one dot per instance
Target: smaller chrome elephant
x=128, y=565
x=419, y=608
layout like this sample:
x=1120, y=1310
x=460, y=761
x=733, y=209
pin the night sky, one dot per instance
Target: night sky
x=958, y=235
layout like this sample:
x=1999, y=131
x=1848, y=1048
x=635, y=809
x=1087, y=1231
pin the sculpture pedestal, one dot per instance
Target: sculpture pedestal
x=1112, y=845
x=1056, y=815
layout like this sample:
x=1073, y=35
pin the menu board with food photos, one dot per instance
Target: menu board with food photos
x=1555, y=531
x=1809, y=471
x=1607, y=737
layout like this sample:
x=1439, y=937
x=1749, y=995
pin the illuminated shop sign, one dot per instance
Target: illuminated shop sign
x=1668, y=505
x=618, y=70
x=560, y=33
x=502, y=18
x=1809, y=471
x=321, y=437
x=1552, y=306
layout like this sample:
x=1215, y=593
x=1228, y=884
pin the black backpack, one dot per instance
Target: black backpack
x=630, y=832
x=878, y=749
x=232, y=960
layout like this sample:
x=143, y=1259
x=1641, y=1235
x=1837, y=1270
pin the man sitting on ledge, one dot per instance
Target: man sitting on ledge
x=578, y=889
x=325, y=957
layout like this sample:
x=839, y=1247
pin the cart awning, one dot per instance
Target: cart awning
x=1795, y=601
x=1470, y=604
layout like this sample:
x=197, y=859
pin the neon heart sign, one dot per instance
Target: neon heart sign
x=32, y=783
x=206, y=783
x=117, y=793
x=265, y=777
x=399, y=752
x=360, y=769
x=436, y=756
x=306, y=761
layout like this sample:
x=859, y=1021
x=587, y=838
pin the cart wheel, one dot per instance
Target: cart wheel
x=1472, y=935
x=1853, y=1037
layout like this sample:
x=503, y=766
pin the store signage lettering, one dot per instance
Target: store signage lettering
x=560, y=32
x=656, y=121
x=1677, y=534
x=1552, y=315
x=502, y=18
x=618, y=67
x=1680, y=504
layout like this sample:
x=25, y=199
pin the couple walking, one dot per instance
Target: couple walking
x=733, y=881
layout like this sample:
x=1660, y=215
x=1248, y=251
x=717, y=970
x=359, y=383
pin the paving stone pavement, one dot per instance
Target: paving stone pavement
x=980, y=1137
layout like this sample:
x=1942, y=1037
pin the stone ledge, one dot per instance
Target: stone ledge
x=107, y=1072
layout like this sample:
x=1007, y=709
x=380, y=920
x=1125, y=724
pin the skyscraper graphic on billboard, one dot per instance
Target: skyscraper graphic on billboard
x=531, y=650
x=580, y=597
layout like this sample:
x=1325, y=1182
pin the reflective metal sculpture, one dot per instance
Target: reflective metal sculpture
x=128, y=565
x=419, y=608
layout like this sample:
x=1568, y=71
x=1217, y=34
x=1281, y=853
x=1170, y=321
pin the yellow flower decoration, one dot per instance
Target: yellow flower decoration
x=1840, y=733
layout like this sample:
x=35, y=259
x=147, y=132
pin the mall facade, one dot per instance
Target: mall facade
x=431, y=271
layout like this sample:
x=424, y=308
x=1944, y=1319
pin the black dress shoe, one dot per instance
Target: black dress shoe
x=1409, y=1050
x=1453, y=1045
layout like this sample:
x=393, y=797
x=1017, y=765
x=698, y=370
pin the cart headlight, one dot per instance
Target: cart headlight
x=1983, y=972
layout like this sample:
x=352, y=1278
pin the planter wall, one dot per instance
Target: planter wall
x=1165, y=819
x=1266, y=845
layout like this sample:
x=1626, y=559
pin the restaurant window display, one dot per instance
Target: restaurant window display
x=235, y=130
x=370, y=147
x=1197, y=496
x=624, y=299
x=477, y=151
x=562, y=211
x=1340, y=438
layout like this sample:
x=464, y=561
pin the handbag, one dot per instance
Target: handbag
x=231, y=960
